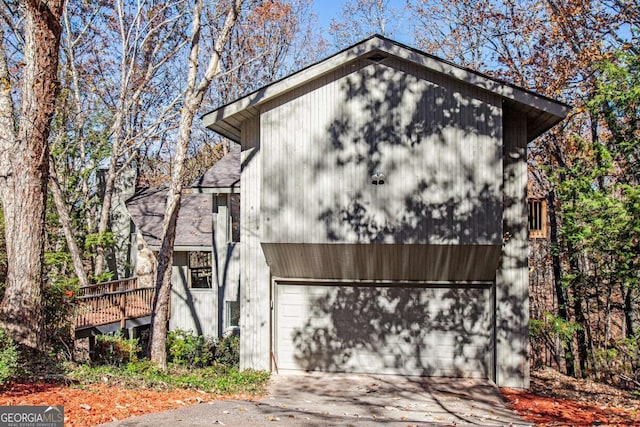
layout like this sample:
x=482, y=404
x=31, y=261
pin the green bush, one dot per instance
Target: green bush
x=8, y=357
x=228, y=351
x=186, y=349
x=116, y=350
x=619, y=364
x=59, y=306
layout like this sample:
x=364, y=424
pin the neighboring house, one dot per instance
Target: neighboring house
x=205, y=276
x=384, y=216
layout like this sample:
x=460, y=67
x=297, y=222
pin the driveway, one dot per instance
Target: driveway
x=347, y=399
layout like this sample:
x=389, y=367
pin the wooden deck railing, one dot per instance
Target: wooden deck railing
x=112, y=302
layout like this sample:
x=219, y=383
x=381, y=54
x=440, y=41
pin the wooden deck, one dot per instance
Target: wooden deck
x=113, y=302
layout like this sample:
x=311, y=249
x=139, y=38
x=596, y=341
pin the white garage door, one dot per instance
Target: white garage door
x=430, y=331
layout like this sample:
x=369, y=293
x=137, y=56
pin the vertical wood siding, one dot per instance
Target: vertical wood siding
x=438, y=142
x=226, y=256
x=512, y=281
x=255, y=289
x=191, y=309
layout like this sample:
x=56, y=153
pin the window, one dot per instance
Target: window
x=233, y=313
x=200, y=271
x=537, y=219
x=234, y=212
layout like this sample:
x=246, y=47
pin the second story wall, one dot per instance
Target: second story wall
x=437, y=142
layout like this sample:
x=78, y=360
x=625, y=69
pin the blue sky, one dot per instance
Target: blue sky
x=328, y=9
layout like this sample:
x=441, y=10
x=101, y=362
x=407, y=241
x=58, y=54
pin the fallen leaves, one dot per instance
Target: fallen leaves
x=97, y=404
x=555, y=399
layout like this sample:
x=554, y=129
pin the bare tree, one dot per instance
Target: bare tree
x=148, y=39
x=194, y=94
x=362, y=18
x=24, y=166
x=118, y=99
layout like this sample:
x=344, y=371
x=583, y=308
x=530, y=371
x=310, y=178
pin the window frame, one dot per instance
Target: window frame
x=233, y=232
x=537, y=218
x=205, y=268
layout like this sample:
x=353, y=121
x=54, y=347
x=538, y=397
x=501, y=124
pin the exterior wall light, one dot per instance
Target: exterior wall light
x=378, y=178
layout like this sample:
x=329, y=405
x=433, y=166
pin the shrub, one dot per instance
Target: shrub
x=116, y=350
x=228, y=351
x=59, y=311
x=8, y=357
x=619, y=364
x=186, y=349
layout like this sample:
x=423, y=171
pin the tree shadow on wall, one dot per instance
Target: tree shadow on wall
x=441, y=153
x=411, y=331
x=437, y=150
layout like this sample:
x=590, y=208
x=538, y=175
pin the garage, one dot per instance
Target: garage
x=427, y=330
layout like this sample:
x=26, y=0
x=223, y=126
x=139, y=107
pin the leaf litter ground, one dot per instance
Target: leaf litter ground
x=553, y=400
x=557, y=400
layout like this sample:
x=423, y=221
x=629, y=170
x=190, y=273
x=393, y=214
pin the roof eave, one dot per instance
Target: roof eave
x=233, y=189
x=218, y=119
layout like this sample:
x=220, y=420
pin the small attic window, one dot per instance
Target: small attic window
x=377, y=57
x=537, y=219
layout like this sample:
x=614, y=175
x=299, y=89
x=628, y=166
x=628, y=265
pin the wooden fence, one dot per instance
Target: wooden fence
x=112, y=302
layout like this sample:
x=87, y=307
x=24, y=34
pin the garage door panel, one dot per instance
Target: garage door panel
x=411, y=331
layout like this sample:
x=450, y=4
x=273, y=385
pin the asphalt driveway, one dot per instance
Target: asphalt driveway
x=320, y=399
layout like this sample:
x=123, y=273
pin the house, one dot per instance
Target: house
x=384, y=216
x=205, y=273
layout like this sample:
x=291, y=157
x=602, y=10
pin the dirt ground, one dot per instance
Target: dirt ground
x=554, y=400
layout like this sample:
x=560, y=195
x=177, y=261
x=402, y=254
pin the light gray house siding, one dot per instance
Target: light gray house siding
x=423, y=275
x=255, y=280
x=204, y=229
x=191, y=309
x=438, y=144
x=512, y=279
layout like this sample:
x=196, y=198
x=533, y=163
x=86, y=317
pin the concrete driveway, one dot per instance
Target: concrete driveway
x=321, y=399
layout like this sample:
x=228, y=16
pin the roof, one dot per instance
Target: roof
x=193, y=228
x=224, y=174
x=542, y=112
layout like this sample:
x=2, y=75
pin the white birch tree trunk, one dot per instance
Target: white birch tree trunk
x=193, y=99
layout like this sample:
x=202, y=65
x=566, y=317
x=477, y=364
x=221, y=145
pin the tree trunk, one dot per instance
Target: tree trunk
x=581, y=334
x=569, y=358
x=105, y=212
x=160, y=314
x=193, y=100
x=23, y=184
x=629, y=309
x=67, y=227
x=80, y=121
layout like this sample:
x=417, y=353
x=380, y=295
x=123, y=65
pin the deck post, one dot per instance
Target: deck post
x=123, y=311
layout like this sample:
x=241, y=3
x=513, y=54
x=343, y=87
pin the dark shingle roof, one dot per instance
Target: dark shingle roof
x=146, y=207
x=224, y=173
x=194, y=220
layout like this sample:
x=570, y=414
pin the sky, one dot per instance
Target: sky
x=328, y=9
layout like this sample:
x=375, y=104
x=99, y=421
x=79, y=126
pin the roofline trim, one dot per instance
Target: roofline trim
x=382, y=44
x=234, y=189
